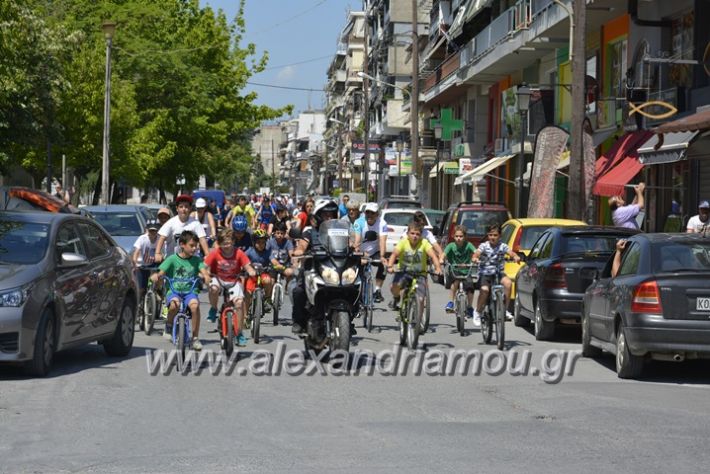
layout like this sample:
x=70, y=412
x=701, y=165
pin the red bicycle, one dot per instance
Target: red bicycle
x=228, y=319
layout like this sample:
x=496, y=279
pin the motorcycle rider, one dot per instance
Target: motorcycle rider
x=323, y=211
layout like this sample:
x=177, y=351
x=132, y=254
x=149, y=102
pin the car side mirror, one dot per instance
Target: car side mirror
x=370, y=236
x=295, y=233
x=70, y=260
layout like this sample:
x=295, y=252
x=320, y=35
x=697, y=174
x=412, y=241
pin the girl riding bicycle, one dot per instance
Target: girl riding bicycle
x=491, y=256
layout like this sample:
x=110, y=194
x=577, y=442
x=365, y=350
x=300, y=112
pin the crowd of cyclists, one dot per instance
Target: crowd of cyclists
x=249, y=240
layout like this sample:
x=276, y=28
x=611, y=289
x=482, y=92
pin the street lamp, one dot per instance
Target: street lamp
x=438, y=130
x=109, y=27
x=523, y=93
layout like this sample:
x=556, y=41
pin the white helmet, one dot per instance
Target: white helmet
x=322, y=206
x=372, y=207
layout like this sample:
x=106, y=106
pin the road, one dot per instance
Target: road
x=95, y=414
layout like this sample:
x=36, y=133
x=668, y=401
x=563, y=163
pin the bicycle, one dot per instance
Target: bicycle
x=494, y=314
x=151, y=304
x=460, y=300
x=367, y=294
x=409, y=314
x=256, y=308
x=228, y=320
x=182, y=329
x=277, y=295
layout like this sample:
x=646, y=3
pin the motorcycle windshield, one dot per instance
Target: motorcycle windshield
x=335, y=236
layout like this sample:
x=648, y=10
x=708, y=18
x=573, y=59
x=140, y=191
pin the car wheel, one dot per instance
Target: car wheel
x=628, y=366
x=543, y=329
x=121, y=342
x=519, y=320
x=588, y=350
x=45, y=345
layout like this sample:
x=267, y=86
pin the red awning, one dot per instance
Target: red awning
x=624, y=146
x=613, y=182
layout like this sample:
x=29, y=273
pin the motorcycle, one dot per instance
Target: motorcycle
x=331, y=276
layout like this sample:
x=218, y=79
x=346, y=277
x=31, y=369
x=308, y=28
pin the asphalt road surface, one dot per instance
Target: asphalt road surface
x=96, y=414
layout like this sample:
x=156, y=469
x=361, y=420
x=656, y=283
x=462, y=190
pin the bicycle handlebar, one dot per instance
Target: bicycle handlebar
x=181, y=280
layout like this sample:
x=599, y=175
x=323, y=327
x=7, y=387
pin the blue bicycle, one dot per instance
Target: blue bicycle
x=182, y=329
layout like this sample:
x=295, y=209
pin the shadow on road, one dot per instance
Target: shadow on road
x=691, y=372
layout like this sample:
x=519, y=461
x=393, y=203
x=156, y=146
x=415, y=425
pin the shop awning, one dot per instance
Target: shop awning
x=690, y=123
x=624, y=146
x=482, y=170
x=665, y=148
x=613, y=182
x=435, y=170
x=620, y=164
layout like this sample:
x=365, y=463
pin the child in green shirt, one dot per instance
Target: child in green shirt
x=459, y=252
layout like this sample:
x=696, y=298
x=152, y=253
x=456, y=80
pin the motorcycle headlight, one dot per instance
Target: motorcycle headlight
x=14, y=298
x=349, y=276
x=330, y=276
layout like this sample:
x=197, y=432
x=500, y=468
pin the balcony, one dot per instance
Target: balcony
x=446, y=69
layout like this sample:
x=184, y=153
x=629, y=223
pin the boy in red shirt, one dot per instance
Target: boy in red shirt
x=226, y=263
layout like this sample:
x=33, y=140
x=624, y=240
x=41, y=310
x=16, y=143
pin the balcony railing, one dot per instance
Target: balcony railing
x=446, y=69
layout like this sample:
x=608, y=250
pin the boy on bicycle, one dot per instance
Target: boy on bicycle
x=491, y=255
x=226, y=263
x=412, y=255
x=144, y=255
x=259, y=255
x=459, y=252
x=183, y=265
x=280, y=250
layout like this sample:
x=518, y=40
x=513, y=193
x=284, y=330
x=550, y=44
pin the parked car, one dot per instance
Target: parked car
x=397, y=221
x=561, y=265
x=125, y=223
x=154, y=208
x=28, y=199
x=476, y=216
x=521, y=234
x=399, y=202
x=210, y=194
x=656, y=307
x=63, y=282
x=436, y=217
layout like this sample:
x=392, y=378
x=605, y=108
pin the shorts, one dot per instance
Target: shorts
x=251, y=282
x=236, y=290
x=186, y=299
x=380, y=275
x=403, y=280
x=487, y=280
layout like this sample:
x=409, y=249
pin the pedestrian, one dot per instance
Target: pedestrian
x=59, y=193
x=699, y=223
x=343, y=208
x=624, y=215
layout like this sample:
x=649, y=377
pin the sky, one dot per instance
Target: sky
x=292, y=31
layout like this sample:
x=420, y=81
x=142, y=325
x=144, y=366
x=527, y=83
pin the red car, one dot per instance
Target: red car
x=476, y=216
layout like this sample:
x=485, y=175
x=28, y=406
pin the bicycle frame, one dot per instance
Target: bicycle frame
x=184, y=310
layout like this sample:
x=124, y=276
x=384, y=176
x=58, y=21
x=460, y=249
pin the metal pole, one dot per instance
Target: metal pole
x=366, y=108
x=576, y=207
x=273, y=171
x=107, y=126
x=340, y=158
x=414, y=100
x=439, y=187
x=49, y=164
x=64, y=173
x=521, y=166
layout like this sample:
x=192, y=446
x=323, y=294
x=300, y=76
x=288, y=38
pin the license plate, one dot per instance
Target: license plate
x=702, y=304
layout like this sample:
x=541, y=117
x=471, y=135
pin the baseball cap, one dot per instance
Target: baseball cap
x=164, y=210
x=183, y=198
x=200, y=203
x=152, y=224
x=704, y=205
x=372, y=207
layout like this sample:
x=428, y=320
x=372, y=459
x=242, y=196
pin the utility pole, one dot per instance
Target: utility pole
x=273, y=171
x=576, y=205
x=366, y=108
x=414, y=100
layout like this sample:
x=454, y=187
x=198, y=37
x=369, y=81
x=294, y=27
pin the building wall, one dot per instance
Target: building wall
x=266, y=143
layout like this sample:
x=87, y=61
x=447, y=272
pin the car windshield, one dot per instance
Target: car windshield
x=401, y=219
x=476, y=222
x=676, y=256
x=22, y=243
x=119, y=223
x=588, y=243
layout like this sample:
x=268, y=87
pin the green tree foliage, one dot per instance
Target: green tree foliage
x=177, y=106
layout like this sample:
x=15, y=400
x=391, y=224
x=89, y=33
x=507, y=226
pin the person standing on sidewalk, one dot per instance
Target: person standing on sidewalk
x=700, y=222
x=624, y=215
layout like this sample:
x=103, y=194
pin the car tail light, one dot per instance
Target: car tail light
x=555, y=276
x=647, y=299
x=518, y=237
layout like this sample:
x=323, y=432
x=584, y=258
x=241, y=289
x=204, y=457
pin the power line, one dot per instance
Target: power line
x=300, y=62
x=276, y=25
x=284, y=87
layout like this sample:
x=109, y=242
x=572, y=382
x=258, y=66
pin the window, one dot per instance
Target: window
x=97, y=245
x=546, y=251
x=68, y=240
x=506, y=233
x=22, y=242
x=630, y=263
x=537, y=248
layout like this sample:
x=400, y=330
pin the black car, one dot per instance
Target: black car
x=561, y=265
x=63, y=282
x=657, y=306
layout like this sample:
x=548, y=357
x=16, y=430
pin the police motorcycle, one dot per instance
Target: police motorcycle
x=331, y=273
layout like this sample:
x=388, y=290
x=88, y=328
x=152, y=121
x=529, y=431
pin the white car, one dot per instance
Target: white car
x=397, y=221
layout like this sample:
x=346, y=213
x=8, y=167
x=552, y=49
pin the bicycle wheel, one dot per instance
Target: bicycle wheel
x=228, y=331
x=180, y=332
x=500, y=322
x=276, y=299
x=424, y=323
x=150, y=311
x=460, y=312
x=413, y=326
x=256, y=316
x=486, y=326
x=403, y=312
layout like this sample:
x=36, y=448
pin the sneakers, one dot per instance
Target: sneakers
x=212, y=315
x=196, y=344
x=168, y=333
x=377, y=297
x=469, y=313
x=163, y=313
x=476, y=319
x=449, y=307
x=297, y=329
x=241, y=339
x=353, y=331
x=508, y=316
x=394, y=305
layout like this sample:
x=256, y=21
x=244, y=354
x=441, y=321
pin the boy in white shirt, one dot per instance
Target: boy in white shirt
x=144, y=254
x=171, y=230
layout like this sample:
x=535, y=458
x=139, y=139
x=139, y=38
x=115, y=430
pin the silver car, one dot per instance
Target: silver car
x=63, y=282
x=124, y=222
